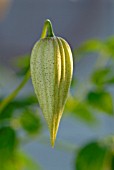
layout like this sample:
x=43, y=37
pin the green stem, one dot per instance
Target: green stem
x=4, y=103
x=47, y=29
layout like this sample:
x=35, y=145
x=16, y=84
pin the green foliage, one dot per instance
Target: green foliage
x=22, y=63
x=95, y=156
x=103, y=77
x=91, y=157
x=109, y=43
x=101, y=100
x=17, y=104
x=95, y=45
x=80, y=110
x=94, y=99
x=7, y=143
x=30, y=122
x=20, y=161
x=90, y=46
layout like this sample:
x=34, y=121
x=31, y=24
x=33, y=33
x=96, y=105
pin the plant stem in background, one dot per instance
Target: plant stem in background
x=47, y=32
x=9, y=98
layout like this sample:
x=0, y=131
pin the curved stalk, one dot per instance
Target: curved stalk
x=4, y=102
x=47, y=29
x=47, y=32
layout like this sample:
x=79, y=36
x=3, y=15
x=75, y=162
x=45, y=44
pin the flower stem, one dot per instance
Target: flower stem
x=47, y=29
x=4, y=102
x=47, y=32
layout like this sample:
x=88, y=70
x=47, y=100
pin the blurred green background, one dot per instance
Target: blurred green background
x=85, y=139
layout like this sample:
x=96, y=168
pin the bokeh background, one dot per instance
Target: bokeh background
x=77, y=21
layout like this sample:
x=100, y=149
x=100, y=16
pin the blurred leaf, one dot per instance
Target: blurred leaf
x=103, y=76
x=30, y=122
x=23, y=102
x=84, y=113
x=90, y=46
x=94, y=156
x=101, y=100
x=7, y=112
x=28, y=163
x=7, y=143
x=80, y=110
x=112, y=165
x=110, y=46
x=20, y=161
x=23, y=71
x=22, y=63
x=17, y=104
